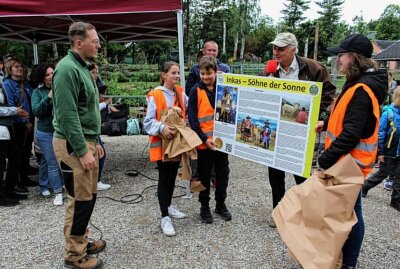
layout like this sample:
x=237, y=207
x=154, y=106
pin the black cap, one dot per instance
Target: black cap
x=354, y=43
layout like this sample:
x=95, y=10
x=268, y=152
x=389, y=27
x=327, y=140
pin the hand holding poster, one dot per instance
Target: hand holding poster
x=267, y=120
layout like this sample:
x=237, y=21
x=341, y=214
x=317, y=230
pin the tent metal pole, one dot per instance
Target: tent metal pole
x=35, y=54
x=180, y=46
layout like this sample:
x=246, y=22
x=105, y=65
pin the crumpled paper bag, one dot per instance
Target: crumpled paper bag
x=185, y=140
x=182, y=147
x=315, y=218
x=185, y=174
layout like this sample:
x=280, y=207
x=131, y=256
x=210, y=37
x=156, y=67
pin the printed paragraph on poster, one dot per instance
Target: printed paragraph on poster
x=267, y=120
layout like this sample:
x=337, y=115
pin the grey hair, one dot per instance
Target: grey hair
x=78, y=30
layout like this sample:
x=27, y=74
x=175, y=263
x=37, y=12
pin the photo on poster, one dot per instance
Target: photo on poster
x=256, y=131
x=225, y=110
x=295, y=109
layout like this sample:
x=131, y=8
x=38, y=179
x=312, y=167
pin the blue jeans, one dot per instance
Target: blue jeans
x=49, y=171
x=352, y=246
x=102, y=160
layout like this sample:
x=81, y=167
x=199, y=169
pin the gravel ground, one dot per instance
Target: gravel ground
x=31, y=233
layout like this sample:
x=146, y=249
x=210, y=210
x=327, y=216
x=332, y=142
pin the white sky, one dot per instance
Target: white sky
x=370, y=9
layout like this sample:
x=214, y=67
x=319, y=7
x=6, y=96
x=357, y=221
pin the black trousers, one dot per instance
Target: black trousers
x=207, y=159
x=24, y=139
x=277, y=182
x=386, y=168
x=167, y=172
x=8, y=151
x=390, y=167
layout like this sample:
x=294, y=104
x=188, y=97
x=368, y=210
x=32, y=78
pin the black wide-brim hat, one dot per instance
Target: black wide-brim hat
x=357, y=43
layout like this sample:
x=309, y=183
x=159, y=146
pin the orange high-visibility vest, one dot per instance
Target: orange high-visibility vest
x=161, y=107
x=365, y=152
x=205, y=115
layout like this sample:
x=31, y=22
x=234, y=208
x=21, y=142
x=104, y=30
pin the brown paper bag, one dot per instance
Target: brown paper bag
x=315, y=218
x=185, y=139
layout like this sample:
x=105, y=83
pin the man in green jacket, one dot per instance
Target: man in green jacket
x=76, y=129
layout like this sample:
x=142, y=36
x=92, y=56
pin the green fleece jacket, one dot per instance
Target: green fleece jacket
x=42, y=108
x=75, y=103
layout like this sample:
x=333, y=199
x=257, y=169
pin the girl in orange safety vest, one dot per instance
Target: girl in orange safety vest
x=160, y=99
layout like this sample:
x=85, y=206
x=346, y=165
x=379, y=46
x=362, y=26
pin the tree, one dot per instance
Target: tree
x=293, y=14
x=388, y=25
x=328, y=21
x=155, y=49
x=360, y=26
x=258, y=40
x=246, y=13
x=305, y=37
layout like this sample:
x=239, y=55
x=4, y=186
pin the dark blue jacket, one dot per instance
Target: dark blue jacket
x=13, y=90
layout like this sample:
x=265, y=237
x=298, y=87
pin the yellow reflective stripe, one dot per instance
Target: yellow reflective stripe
x=155, y=144
x=206, y=118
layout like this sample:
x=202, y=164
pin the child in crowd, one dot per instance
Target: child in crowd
x=388, y=151
x=201, y=118
x=168, y=95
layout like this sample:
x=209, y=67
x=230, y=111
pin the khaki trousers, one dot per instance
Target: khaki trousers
x=81, y=186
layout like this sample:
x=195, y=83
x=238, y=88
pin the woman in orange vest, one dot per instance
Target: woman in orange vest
x=201, y=118
x=163, y=97
x=352, y=127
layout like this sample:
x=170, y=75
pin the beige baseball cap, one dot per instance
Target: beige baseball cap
x=284, y=39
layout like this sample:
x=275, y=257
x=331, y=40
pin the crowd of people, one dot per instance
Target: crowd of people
x=26, y=117
x=59, y=108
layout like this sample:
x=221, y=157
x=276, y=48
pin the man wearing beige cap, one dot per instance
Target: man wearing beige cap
x=292, y=66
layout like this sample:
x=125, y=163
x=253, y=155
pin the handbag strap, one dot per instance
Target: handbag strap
x=21, y=94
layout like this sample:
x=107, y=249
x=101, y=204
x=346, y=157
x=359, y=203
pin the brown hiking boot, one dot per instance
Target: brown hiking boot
x=85, y=263
x=95, y=247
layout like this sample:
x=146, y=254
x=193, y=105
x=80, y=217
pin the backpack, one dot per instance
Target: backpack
x=117, y=127
x=114, y=129
x=133, y=127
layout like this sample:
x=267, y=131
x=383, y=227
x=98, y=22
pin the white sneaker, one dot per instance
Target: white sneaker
x=102, y=186
x=58, y=200
x=46, y=193
x=175, y=213
x=166, y=226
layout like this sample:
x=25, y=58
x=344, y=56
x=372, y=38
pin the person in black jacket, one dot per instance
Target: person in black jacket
x=349, y=131
x=8, y=197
